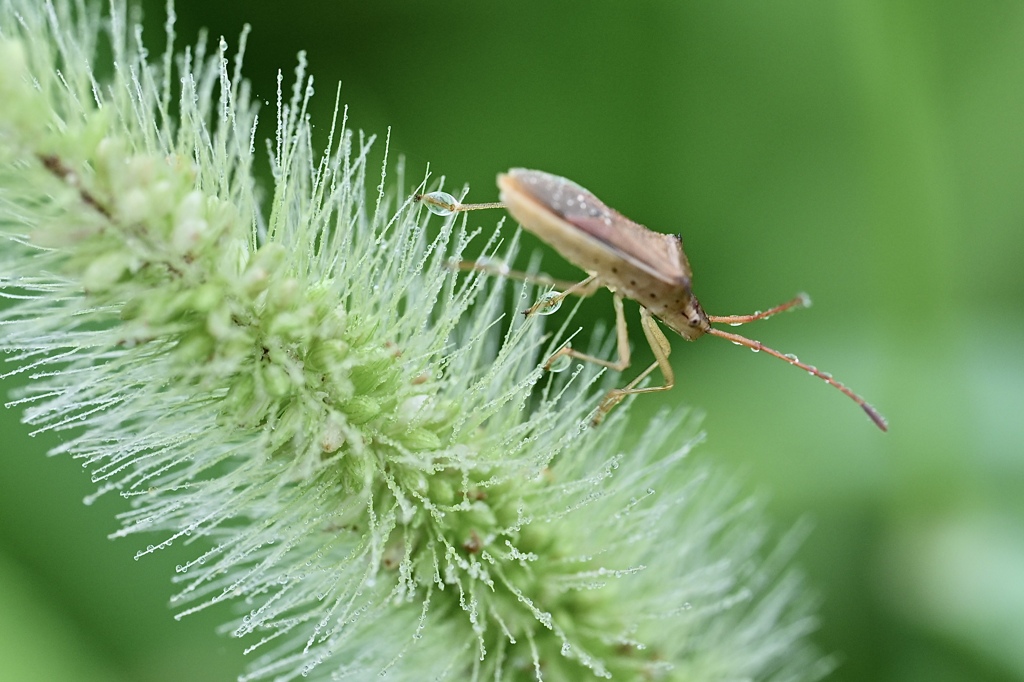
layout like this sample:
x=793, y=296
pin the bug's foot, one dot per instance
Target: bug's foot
x=613, y=398
x=559, y=360
x=547, y=304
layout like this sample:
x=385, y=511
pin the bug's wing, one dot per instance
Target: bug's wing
x=660, y=255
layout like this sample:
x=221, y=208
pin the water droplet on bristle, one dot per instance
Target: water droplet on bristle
x=560, y=364
x=492, y=265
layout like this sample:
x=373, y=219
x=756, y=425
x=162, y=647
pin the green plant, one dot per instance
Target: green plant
x=370, y=469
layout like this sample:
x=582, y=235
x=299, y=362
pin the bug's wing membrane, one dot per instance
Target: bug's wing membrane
x=659, y=255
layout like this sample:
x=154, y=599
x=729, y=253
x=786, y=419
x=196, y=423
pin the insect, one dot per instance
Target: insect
x=633, y=262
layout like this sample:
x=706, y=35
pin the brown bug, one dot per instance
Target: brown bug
x=631, y=261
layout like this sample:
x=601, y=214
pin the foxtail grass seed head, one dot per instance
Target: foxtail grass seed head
x=372, y=472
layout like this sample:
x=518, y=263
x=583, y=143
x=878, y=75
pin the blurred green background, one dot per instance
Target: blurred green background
x=868, y=152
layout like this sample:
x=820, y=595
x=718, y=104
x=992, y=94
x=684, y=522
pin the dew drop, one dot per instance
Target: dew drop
x=755, y=349
x=439, y=203
x=560, y=364
x=792, y=358
x=735, y=324
x=494, y=266
x=549, y=303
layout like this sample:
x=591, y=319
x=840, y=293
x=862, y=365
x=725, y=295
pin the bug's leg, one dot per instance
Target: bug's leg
x=490, y=266
x=622, y=339
x=444, y=204
x=552, y=300
x=660, y=345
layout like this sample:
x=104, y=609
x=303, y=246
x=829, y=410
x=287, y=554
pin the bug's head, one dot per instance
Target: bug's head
x=692, y=322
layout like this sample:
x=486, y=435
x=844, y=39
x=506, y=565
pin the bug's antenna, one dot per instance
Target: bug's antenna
x=801, y=301
x=792, y=359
